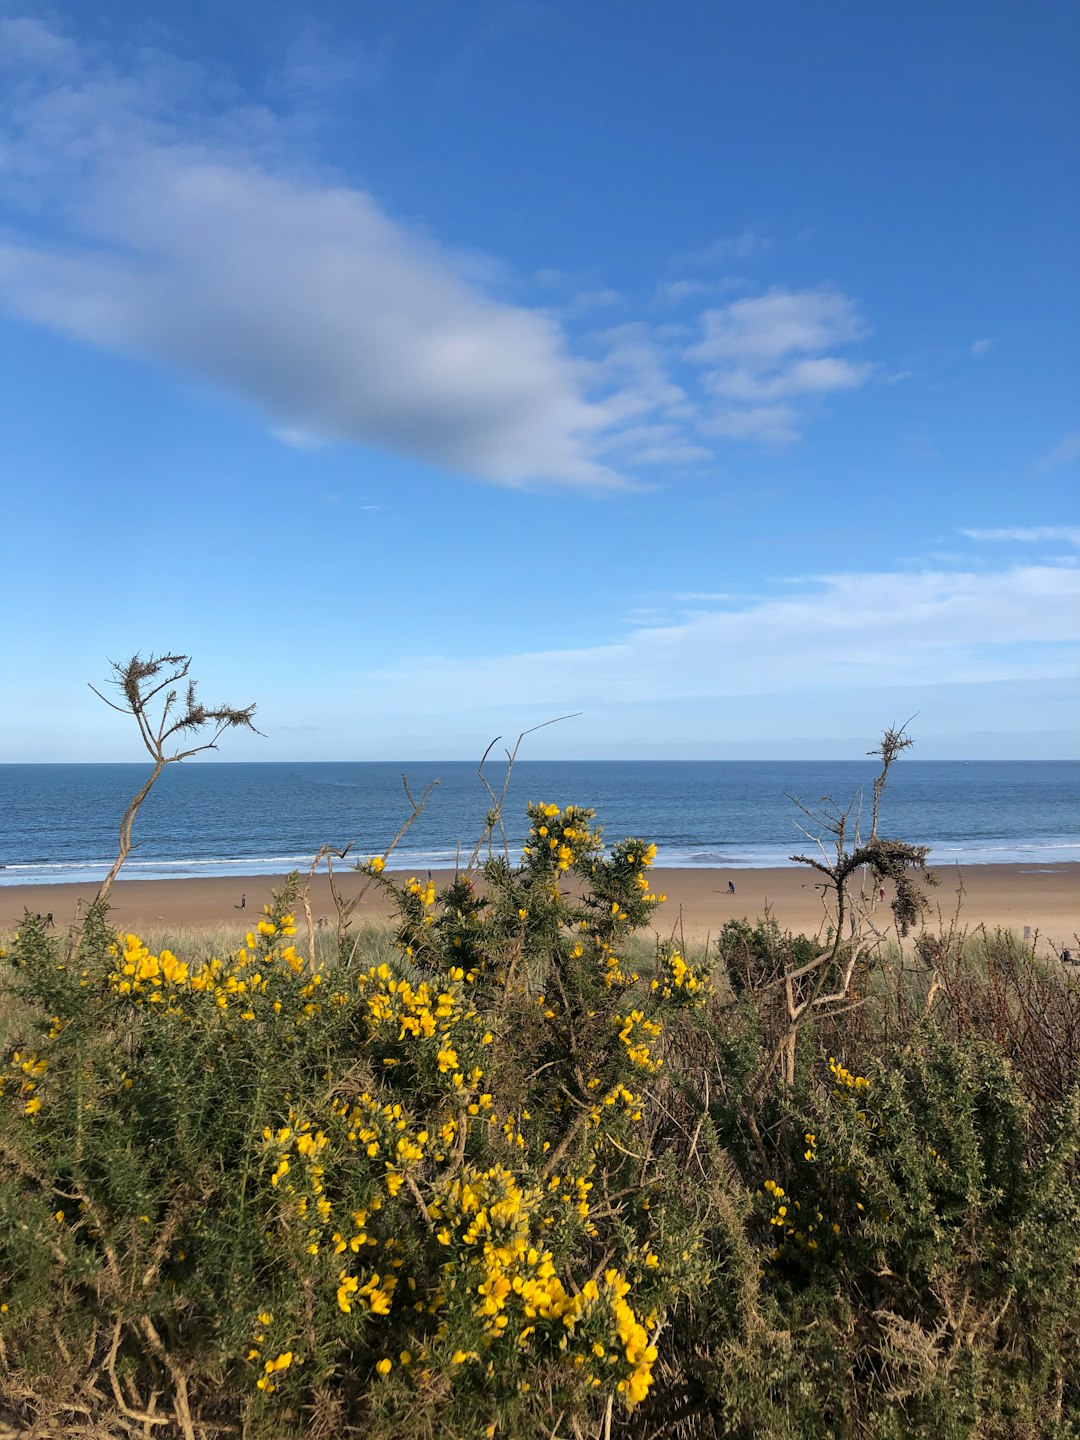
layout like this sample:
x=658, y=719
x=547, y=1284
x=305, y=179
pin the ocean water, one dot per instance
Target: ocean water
x=58, y=823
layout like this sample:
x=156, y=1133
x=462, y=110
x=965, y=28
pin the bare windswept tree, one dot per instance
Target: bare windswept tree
x=148, y=690
x=824, y=983
x=885, y=860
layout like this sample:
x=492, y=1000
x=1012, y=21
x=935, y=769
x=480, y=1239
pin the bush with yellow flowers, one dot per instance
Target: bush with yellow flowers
x=406, y=1195
x=510, y=1178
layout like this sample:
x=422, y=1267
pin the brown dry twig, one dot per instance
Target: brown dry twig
x=140, y=683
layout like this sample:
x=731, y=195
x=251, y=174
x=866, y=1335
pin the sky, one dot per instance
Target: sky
x=427, y=371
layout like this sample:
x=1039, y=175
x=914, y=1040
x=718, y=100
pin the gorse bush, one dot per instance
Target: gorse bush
x=276, y=1192
x=500, y=1180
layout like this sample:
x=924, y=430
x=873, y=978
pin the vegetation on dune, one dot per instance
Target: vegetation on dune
x=488, y=1175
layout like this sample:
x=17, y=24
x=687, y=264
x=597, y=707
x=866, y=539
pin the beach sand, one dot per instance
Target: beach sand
x=1046, y=899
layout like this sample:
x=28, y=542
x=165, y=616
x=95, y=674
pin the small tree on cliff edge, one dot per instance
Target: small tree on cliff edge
x=145, y=685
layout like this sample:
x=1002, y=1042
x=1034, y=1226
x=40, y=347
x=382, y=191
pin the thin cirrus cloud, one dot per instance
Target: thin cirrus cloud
x=162, y=228
x=748, y=243
x=1029, y=534
x=1064, y=453
x=854, y=630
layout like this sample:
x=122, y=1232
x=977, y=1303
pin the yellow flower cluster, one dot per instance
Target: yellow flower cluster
x=793, y=1225
x=570, y=1190
x=779, y=1196
x=558, y=838
x=273, y=1367
x=383, y=1129
x=424, y=893
x=164, y=980
x=844, y=1079
x=618, y=1094
x=310, y=1213
x=27, y=1069
x=644, y=858
x=632, y=1336
x=438, y=1027
x=485, y=1220
x=140, y=971
x=308, y=1204
x=676, y=979
x=611, y=968
x=636, y=1032
x=375, y=1295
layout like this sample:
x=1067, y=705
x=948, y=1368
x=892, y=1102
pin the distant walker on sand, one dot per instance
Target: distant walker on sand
x=731, y=887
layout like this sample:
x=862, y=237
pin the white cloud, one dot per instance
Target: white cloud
x=701, y=597
x=857, y=630
x=980, y=347
x=314, y=304
x=1067, y=450
x=658, y=445
x=768, y=328
x=804, y=377
x=767, y=352
x=306, y=298
x=634, y=364
x=744, y=246
x=771, y=424
x=318, y=67
x=163, y=223
x=26, y=40
x=602, y=299
x=1029, y=534
x=678, y=292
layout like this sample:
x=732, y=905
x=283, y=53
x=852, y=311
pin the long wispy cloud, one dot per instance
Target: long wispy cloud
x=1029, y=534
x=161, y=223
x=850, y=630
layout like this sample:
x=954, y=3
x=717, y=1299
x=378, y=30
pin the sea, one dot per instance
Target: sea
x=58, y=823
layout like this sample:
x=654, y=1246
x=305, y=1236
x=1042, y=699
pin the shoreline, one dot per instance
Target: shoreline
x=1011, y=896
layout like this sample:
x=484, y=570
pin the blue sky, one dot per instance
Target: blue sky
x=428, y=370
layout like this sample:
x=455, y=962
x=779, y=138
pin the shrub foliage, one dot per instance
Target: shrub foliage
x=505, y=1181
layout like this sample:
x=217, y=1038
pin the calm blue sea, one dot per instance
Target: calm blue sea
x=59, y=822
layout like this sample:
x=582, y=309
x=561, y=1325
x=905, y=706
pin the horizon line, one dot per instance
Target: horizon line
x=594, y=760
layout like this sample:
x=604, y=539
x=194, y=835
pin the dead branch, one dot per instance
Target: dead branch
x=135, y=679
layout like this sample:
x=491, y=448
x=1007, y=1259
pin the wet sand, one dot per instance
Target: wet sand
x=1046, y=899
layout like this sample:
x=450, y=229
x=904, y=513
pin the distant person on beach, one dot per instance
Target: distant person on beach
x=731, y=887
x=243, y=902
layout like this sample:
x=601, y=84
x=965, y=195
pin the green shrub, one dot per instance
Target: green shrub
x=491, y=1175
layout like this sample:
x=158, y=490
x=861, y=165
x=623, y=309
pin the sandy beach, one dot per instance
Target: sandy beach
x=1046, y=899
